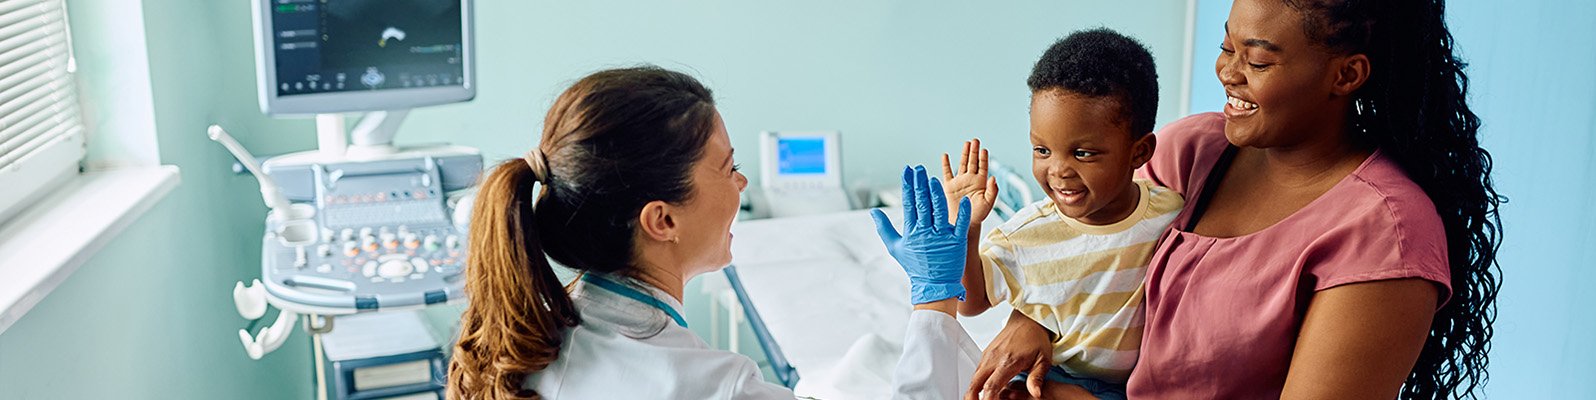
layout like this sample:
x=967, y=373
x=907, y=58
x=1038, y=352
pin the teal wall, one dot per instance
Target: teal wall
x=150, y=316
x=1530, y=70
x=903, y=81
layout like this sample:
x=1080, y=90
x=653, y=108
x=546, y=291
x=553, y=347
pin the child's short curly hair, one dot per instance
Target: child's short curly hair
x=1103, y=63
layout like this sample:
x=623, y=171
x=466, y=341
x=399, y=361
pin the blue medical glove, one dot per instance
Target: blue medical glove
x=931, y=250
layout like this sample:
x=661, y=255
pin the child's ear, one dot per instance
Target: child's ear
x=1142, y=149
x=656, y=222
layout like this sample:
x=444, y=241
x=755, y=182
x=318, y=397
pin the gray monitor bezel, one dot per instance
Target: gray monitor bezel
x=355, y=101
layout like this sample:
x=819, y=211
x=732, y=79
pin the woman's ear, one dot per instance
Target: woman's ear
x=656, y=221
x=1351, y=73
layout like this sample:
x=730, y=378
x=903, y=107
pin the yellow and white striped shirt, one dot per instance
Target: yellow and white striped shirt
x=1083, y=282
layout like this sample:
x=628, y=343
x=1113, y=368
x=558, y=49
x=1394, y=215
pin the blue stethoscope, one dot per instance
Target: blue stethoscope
x=633, y=294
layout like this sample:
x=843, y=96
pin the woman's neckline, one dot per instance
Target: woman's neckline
x=1204, y=193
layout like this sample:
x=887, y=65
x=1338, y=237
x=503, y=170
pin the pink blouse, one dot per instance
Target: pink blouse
x=1223, y=313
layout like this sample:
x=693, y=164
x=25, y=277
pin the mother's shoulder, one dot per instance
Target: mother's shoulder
x=1381, y=180
x=1184, y=146
x=1203, y=130
x=1377, y=224
x=1379, y=203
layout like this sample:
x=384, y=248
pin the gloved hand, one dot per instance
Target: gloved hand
x=931, y=250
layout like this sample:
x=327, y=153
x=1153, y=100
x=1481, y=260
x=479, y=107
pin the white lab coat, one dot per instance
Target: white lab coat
x=624, y=349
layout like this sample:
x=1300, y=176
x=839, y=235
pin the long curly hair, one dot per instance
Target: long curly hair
x=1414, y=107
x=613, y=142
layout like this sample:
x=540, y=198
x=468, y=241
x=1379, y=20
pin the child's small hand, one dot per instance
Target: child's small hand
x=971, y=180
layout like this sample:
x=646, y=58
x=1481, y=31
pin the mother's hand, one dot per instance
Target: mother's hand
x=1023, y=345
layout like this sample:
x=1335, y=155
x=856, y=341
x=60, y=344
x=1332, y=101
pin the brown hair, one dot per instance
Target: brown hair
x=613, y=142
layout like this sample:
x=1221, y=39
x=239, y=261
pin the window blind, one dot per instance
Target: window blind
x=41, y=131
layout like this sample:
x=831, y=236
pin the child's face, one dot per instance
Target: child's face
x=1084, y=157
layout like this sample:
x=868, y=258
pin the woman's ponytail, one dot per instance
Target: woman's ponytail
x=612, y=142
x=518, y=308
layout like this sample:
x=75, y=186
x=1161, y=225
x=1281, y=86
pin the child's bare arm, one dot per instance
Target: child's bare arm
x=975, y=298
x=971, y=180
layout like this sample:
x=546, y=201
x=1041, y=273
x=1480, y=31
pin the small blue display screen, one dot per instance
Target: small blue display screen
x=801, y=155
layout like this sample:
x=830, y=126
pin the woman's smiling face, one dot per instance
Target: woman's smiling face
x=709, y=212
x=1279, y=85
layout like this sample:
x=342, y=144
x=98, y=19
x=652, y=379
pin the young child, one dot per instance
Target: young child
x=1074, y=262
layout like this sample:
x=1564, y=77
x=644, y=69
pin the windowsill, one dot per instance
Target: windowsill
x=42, y=246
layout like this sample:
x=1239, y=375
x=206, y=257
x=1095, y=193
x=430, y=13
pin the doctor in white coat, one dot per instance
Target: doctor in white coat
x=638, y=193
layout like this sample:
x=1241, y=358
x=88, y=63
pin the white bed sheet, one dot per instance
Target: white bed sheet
x=834, y=300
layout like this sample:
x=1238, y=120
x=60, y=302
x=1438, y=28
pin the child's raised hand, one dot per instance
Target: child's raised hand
x=971, y=181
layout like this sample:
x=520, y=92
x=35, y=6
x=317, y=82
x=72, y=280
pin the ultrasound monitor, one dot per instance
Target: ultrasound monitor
x=336, y=56
x=801, y=155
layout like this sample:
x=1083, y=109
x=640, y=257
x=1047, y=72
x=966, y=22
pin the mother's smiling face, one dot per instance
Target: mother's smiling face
x=1282, y=88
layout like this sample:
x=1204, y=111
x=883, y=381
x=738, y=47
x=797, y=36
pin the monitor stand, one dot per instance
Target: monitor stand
x=330, y=139
x=372, y=137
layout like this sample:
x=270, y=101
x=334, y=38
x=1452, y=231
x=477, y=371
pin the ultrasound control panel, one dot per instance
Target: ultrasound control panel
x=382, y=236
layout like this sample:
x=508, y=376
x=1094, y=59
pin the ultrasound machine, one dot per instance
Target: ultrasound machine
x=359, y=228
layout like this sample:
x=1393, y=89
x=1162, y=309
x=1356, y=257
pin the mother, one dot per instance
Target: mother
x=1340, y=232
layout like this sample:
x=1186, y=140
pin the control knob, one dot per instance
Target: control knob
x=395, y=268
